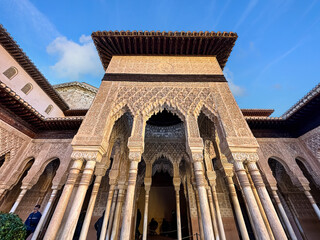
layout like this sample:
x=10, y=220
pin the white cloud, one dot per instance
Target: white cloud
x=246, y=13
x=237, y=90
x=75, y=59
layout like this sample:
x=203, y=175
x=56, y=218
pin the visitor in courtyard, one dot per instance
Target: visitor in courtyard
x=153, y=225
x=98, y=225
x=33, y=220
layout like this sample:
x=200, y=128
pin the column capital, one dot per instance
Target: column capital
x=197, y=156
x=135, y=156
x=147, y=183
x=87, y=153
x=176, y=183
x=245, y=156
x=100, y=170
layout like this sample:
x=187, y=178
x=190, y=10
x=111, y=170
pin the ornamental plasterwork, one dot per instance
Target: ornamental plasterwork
x=149, y=100
x=9, y=143
x=173, y=133
x=312, y=141
x=162, y=165
x=172, y=151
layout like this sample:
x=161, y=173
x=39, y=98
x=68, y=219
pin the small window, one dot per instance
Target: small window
x=27, y=88
x=49, y=109
x=10, y=72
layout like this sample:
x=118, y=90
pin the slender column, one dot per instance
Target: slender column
x=176, y=183
x=115, y=227
x=236, y=205
x=147, y=186
x=134, y=157
x=284, y=215
x=112, y=183
x=44, y=214
x=216, y=204
x=203, y=198
x=270, y=211
x=17, y=202
x=64, y=199
x=213, y=214
x=87, y=219
x=199, y=214
x=261, y=230
x=113, y=206
x=73, y=217
x=313, y=203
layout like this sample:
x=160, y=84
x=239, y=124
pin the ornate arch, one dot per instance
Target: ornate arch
x=309, y=169
x=291, y=174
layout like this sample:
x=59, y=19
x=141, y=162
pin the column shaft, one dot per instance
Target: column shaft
x=270, y=211
x=17, y=202
x=284, y=215
x=203, y=198
x=115, y=227
x=313, y=203
x=107, y=212
x=128, y=209
x=219, y=218
x=87, y=219
x=44, y=214
x=145, y=217
x=213, y=215
x=261, y=230
x=63, y=202
x=73, y=217
x=179, y=234
x=113, y=206
x=237, y=209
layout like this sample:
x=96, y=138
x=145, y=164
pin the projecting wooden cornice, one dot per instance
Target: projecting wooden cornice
x=110, y=43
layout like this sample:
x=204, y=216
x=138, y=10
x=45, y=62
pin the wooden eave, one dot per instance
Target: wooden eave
x=110, y=43
x=13, y=103
x=17, y=53
x=257, y=112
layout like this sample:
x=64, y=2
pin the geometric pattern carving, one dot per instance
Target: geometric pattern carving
x=9, y=142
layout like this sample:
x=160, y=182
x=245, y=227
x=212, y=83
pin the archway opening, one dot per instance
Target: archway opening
x=312, y=184
x=9, y=199
x=40, y=192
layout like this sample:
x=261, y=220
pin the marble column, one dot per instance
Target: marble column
x=203, y=198
x=100, y=172
x=212, y=182
x=113, y=206
x=134, y=158
x=75, y=210
x=257, y=220
x=176, y=184
x=147, y=186
x=117, y=213
x=284, y=215
x=63, y=201
x=213, y=214
x=236, y=205
x=199, y=214
x=45, y=214
x=270, y=211
x=313, y=203
x=17, y=202
x=112, y=183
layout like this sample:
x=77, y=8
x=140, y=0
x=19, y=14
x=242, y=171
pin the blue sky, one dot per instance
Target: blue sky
x=273, y=64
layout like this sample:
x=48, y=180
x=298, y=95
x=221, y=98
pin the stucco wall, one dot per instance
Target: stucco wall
x=37, y=97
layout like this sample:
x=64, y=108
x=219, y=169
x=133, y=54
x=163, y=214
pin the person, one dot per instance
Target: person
x=98, y=225
x=153, y=225
x=33, y=220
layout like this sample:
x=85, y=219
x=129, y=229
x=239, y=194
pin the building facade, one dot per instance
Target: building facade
x=161, y=148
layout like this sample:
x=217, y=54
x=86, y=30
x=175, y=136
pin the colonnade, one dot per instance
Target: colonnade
x=242, y=167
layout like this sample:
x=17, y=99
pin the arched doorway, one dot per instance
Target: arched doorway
x=298, y=209
x=9, y=199
x=40, y=192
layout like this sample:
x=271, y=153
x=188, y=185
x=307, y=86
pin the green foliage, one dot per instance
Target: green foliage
x=11, y=227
